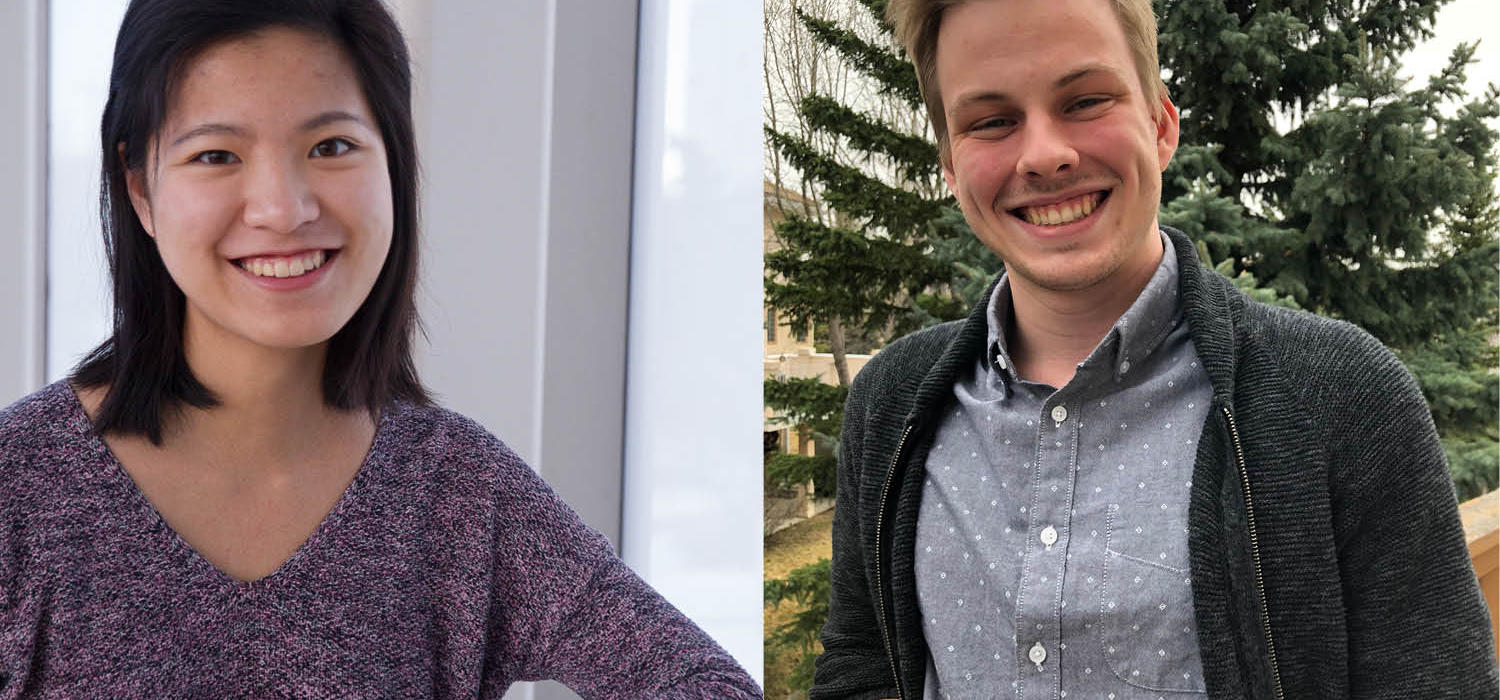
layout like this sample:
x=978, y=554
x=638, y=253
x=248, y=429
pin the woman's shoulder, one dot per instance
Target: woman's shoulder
x=443, y=445
x=49, y=419
x=43, y=437
x=468, y=464
x=437, y=433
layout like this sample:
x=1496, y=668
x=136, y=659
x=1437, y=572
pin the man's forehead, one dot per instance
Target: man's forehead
x=1010, y=44
x=1069, y=76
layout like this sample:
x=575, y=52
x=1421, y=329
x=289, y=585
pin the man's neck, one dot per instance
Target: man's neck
x=1051, y=332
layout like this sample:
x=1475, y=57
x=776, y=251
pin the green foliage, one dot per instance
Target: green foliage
x=808, y=587
x=817, y=408
x=890, y=71
x=914, y=156
x=1472, y=463
x=829, y=271
x=1317, y=177
x=807, y=402
x=789, y=470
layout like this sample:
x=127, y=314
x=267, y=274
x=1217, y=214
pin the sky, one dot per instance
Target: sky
x=1461, y=21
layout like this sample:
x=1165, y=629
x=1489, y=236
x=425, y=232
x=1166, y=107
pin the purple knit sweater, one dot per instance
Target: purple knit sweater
x=447, y=569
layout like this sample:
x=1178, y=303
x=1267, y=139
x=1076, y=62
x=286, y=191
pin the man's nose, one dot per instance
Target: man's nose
x=1045, y=150
x=278, y=198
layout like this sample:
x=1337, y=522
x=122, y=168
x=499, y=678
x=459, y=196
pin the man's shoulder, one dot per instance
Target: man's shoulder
x=907, y=359
x=1313, y=350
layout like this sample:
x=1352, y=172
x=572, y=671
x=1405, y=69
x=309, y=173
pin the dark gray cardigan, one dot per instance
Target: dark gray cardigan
x=1327, y=556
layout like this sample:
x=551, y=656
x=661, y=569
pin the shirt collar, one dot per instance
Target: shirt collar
x=1135, y=335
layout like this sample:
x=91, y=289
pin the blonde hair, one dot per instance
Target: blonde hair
x=916, y=24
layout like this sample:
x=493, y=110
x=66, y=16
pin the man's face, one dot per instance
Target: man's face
x=1055, y=157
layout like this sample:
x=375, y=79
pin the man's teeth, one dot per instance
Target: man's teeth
x=284, y=267
x=1062, y=212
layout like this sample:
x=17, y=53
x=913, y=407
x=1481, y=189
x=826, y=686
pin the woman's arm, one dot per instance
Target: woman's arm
x=565, y=608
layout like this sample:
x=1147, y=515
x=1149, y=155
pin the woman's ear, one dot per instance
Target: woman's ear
x=135, y=185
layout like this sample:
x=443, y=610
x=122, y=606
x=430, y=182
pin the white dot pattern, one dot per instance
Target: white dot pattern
x=1109, y=599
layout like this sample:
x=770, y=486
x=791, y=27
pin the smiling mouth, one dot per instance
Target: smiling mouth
x=286, y=266
x=1061, y=213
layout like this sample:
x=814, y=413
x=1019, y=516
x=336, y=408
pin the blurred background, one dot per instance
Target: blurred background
x=591, y=278
x=1337, y=157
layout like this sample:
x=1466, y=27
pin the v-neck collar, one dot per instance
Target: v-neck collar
x=185, y=553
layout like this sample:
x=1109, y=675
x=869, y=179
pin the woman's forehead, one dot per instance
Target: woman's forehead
x=273, y=78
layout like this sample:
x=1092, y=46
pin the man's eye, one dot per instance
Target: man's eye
x=994, y=123
x=1088, y=102
x=331, y=148
x=215, y=158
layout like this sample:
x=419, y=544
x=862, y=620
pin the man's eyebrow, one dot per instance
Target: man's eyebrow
x=1083, y=72
x=321, y=120
x=1070, y=77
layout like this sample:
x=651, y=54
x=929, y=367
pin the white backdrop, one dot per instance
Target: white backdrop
x=558, y=207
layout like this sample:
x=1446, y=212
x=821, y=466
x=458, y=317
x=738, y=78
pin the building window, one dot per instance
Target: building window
x=770, y=325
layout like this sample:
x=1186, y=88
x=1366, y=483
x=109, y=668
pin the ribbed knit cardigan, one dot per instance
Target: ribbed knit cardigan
x=447, y=569
x=1327, y=556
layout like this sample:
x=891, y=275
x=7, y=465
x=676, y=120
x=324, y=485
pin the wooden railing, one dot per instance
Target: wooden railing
x=1481, y=518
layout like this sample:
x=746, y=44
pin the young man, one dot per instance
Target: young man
x=1120, y=478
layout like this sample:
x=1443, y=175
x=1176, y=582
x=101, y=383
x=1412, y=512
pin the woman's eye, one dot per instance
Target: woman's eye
x=215, y=158
x=331, y=148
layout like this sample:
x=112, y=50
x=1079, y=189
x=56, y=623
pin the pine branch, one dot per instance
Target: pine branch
x=889, y=70
x=915, y=157
x=857, y=195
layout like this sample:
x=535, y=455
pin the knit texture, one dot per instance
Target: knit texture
x=447, y=569
x=1368, y=588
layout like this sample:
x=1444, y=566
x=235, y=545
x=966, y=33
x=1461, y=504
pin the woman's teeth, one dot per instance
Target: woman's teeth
x=1065, y=212
x=284, y=267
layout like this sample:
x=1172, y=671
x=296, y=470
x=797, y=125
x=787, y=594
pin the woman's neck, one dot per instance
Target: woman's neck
x=271, y=415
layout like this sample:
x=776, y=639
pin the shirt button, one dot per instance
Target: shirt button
x=1049, y=535
x=1038, y=654
x=1124, y=366
x=1059, y=413
x=1000, y=360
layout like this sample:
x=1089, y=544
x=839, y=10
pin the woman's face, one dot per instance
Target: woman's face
x=266, y=190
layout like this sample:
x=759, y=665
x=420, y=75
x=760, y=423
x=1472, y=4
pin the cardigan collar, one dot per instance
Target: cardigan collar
x=1206, y=300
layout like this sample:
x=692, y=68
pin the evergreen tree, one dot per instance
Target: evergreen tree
x=873, y=254
x=863, y=261
x=1309, y=164
x=858, y=258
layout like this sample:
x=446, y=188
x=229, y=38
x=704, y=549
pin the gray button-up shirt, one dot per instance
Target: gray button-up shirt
x=1052, y=552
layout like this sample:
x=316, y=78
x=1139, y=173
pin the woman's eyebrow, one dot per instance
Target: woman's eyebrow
x=203, y=129
x=321, y=120
x=330, y=117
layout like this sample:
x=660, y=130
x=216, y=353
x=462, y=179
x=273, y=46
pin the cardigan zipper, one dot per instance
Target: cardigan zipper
x=886, y=624
x=1260, y=586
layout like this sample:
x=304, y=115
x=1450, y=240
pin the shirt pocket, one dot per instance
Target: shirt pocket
x=1146, y=621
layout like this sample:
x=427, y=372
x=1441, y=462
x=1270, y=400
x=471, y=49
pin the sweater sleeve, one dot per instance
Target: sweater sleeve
x=1417, y=623
x=854, y=663
x=563, y=607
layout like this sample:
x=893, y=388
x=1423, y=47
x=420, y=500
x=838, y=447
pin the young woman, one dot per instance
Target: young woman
x=245, y=491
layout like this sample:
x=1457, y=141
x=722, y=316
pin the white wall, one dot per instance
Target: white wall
x=528, y=127
x=693, y=409
x=530, y=121
x=23, y=188
x=79, y=55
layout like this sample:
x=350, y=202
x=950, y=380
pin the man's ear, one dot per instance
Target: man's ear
x=1166, y=132
x=945, y=158
x=135, y=185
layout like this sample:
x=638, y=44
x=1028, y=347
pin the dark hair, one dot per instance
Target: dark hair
x=369, y=360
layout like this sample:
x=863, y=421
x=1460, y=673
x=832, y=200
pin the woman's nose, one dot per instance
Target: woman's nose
x=278, y=198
